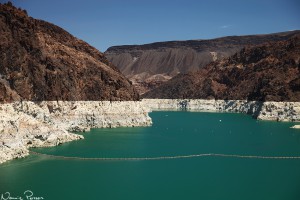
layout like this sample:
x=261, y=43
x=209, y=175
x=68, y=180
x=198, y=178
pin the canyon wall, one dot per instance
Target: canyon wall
x=150, y=65
x=269, y=72
x=52, y=82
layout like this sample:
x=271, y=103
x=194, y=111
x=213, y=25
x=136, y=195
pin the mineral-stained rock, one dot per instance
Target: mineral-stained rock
x=268, y=110
x=40, y=61
x=41, y=124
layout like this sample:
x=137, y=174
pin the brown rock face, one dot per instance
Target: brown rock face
x=41, y=61
x=269, y=72
x=143, y=63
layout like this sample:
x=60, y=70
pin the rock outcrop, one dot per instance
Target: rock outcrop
x=149, y=65
x=48, y=123
x=269, y=72
x=40, y=61
x=275, y=111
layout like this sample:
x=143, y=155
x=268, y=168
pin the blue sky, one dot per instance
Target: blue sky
x=105, y=23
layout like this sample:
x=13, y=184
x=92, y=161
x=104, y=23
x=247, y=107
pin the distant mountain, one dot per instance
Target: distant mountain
x=41, y=61
x=149, y=65
x=269, y=72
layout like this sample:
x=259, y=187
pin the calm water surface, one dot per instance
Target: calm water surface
x=172, y=133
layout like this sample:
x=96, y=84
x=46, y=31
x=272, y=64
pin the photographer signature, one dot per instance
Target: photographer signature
x=27, y=195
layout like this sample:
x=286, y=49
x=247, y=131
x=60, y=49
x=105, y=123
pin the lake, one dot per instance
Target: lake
x=172, y=134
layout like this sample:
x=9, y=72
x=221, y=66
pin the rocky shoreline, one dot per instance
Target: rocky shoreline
x=49, y=123
x=275, y=111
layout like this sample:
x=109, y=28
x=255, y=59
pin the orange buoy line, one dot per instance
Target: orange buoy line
x=168, y=157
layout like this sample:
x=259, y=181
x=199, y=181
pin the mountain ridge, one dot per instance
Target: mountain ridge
x=182, y=42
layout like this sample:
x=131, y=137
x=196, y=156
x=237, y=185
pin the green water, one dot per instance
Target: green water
x=172, y=133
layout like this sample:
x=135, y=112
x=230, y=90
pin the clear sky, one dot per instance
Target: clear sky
x=105, y=23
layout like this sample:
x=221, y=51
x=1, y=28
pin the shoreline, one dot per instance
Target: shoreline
x=269, y=110
x=28, y=124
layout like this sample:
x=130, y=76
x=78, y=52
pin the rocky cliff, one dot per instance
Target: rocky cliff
x=269, y=72
x=40, y=61
x=149, y=65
